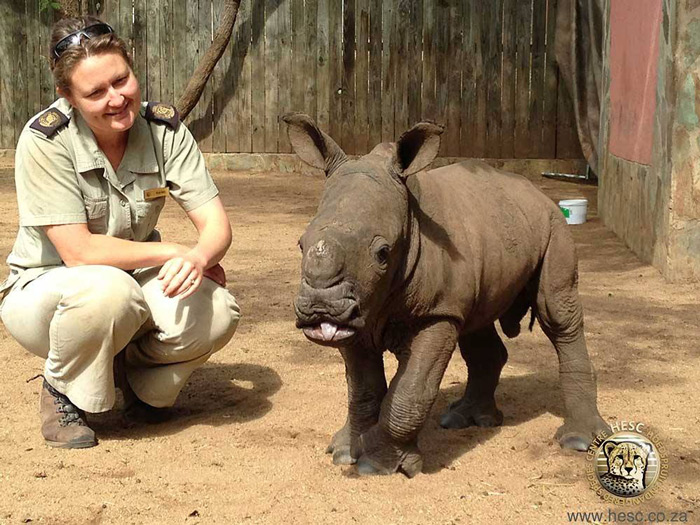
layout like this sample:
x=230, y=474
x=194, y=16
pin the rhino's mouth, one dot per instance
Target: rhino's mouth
x=326, y=332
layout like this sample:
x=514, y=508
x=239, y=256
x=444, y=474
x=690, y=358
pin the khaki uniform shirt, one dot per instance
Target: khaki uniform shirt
x=65, y=178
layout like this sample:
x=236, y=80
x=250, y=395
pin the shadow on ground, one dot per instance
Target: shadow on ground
x=216, y=395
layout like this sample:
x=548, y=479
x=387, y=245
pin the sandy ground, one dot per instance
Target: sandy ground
x=247, y=445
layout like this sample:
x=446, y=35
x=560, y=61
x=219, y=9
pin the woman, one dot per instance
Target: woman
x=89, y=278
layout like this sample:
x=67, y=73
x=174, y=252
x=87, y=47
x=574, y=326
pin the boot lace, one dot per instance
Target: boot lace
x=71, y=413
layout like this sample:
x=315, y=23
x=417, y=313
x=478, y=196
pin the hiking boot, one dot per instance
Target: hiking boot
x=137, y=411
x=63, y=425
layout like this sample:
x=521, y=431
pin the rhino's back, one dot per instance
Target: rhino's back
x=479, y=184
x=484, y=231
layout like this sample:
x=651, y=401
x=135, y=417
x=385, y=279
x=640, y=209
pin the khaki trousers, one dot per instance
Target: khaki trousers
x=79, y=318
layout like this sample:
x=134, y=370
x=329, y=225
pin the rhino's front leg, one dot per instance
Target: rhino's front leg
x=392, y=444
x=364, y=371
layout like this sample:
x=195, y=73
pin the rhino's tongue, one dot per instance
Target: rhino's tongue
x=328, y=330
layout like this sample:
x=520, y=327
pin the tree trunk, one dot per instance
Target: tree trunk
x=206, y=65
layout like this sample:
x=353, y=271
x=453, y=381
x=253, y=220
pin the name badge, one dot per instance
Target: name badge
x=156, y=193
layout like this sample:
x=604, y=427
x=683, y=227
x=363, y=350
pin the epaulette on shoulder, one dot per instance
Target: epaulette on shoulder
x=159, y=112
x=49, y=122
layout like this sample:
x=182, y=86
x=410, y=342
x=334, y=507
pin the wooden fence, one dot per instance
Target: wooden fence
x=364, y=69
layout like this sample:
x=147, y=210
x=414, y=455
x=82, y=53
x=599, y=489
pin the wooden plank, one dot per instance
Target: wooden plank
x=152, y=91
x=480, y=15
x=508, y=86
x=140, y=41
x=204, y=106
x=238, y=49
x=191, y=56
x=224, y=89
x=257, y=56
x=298, y=59
x=245, y=123
x=218, y=89
x=348, y=99
x=272, y=58
x=403, y=19
x=11, y=14
x=8, y=21
x=310, y=56
x=35, y=55
x=361, y=76
x=389, y=64
x=468, y=66
x=568, y=146
x=414, y=54
x=493, y=80
x=18, y=53
x=181, y=57
x=429, y=61
x=442, y=64
x=551, y=81
x=323, y=69
x=374, y=100
x=284, y=71
x=523, y=31
x=167, y=64
x=535, y=121
x=110, y=14
x=47, y=89
x=335, y=61
x=451, y=136
x=125, y=20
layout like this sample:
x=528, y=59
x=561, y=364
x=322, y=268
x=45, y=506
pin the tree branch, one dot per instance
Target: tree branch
x=195, y=86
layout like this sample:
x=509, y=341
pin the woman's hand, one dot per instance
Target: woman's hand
x=181, y=276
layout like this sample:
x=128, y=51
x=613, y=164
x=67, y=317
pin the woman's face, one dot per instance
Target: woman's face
x=106, y=93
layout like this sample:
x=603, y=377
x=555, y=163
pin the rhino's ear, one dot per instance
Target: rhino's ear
x=417, y=148
x=311, y=144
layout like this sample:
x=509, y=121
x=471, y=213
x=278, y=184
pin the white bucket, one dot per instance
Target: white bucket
x=574, y=210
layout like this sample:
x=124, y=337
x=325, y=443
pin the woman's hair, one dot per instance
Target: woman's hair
x=63, y=66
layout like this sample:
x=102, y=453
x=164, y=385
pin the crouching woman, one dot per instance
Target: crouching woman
x=89, y=278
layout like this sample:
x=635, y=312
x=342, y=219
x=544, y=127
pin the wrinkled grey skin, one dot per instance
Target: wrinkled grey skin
x=417, y=262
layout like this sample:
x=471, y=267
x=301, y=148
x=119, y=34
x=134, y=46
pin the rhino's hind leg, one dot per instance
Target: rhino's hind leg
x=485, y=355
x=560, y=314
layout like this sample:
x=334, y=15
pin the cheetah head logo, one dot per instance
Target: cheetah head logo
x=627, y=460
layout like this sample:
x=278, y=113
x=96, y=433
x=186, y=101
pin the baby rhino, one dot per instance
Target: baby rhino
x=417, y=262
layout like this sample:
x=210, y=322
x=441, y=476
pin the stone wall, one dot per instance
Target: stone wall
x=655, y=207
x=684, y=221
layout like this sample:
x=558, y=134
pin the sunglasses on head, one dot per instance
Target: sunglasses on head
x=76, y=37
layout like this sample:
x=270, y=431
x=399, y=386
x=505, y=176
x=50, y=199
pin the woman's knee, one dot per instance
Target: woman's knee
x=109, y=292
x=226, y=314
x=212, y=328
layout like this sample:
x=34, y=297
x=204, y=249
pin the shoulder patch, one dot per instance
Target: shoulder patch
x=49, y=122
x=159, y=112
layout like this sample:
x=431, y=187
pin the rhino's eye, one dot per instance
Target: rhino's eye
x=382, y=254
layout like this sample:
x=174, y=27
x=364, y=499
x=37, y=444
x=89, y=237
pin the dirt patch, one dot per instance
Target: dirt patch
x=248, y=443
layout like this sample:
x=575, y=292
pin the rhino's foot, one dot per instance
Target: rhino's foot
x=409, y=466
x=340, y=447
x=378, y=455
x=578, y=435
x=463, y=414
